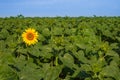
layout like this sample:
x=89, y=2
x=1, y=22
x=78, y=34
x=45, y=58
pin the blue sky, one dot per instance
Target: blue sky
x=50, y=8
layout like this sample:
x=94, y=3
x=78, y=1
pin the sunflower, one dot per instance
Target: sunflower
x=30, y=36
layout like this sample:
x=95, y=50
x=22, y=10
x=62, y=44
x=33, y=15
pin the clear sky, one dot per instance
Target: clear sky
x=47, y=8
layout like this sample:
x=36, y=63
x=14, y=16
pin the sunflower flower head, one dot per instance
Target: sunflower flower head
x=30, y=36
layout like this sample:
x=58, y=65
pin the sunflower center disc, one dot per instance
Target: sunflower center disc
x=30, y=36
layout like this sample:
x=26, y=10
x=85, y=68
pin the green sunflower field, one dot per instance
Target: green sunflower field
x=68, y=48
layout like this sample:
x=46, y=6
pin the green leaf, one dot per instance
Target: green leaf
x=4, y=34
x=22, y=50
x=114, y=45
x=53, y=73
x=46, y=51
x=86, y=67
x=57, y=31
x=111, y=71
x=6, y=58
x=68, y=60
x=34, y=51
x=46, y=32
x=2, y=46
x=30, y=72
x=7, y=73
x=11, y=41
x=80, y=56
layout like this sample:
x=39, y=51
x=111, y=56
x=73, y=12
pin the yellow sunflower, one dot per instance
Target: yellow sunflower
x=30, y=36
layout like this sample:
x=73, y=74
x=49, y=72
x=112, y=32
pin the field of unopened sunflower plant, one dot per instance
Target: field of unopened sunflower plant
x=60, y=48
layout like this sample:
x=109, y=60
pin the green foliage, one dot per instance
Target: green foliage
x=81, y=48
